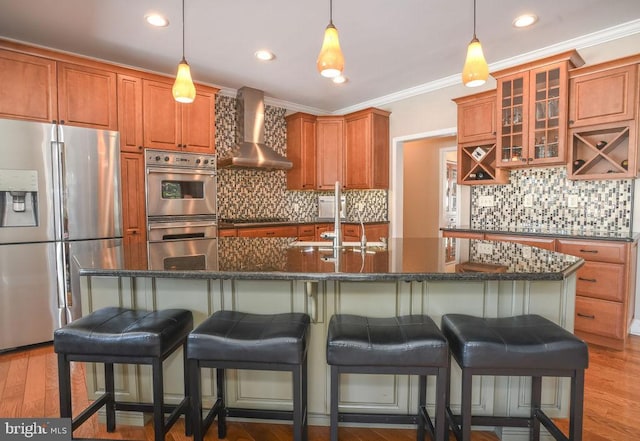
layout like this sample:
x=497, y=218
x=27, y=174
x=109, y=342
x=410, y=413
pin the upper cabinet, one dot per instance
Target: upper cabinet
x=28, y=87
x=477, y=117
x=532, y=103
x=41, y=89
x=130, y=113
x=366, y=149
x=603, y=125
x=170, y=125
x=352, y=149
x=330, y=145
x=87, y=96
x=301, y=151
x=477, y=151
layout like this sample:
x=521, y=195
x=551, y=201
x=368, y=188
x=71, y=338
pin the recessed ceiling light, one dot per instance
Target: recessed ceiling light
x=157, y=20
x=525, y=20
x=340, y=79
x=264, y=55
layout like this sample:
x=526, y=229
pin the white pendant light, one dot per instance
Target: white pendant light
x=475, y=71
x=330, y=60
x=183, y=89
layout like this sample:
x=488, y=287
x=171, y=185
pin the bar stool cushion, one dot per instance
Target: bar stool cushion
x=245, y=337
x=114, y=331
x=410, y=340
x=521, y=342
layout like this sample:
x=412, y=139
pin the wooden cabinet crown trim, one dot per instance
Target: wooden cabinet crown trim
x=91, y=62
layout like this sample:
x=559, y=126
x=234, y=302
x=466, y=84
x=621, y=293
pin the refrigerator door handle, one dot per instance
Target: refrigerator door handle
x=62, y=250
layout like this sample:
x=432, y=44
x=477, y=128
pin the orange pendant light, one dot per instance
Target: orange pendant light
x=475, y=71
x=330, y=60
x=183, y=89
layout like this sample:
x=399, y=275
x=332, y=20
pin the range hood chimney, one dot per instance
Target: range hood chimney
x=250, y=150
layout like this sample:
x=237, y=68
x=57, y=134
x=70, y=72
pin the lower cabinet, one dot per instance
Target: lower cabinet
x=605, y=289
x=134, y=220
x=286, y=231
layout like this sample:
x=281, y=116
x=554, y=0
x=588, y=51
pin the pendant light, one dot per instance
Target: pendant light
x=330, y=60
x=475, y=71
x=183, y=89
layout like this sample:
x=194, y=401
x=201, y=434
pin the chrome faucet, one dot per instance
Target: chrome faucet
x=336, y=234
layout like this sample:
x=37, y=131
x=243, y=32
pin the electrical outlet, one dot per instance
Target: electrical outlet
x=360, y=207
x=572, y=201
x=486, y=201
x=295, y=206
x=526, y=252
x=528, y=201
x=485, y=248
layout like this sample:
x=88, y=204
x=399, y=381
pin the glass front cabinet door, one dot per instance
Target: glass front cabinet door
x=532, y=112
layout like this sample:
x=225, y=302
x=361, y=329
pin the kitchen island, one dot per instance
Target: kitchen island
x=270, y=275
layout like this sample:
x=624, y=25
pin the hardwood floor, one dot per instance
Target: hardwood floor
x=29, y=387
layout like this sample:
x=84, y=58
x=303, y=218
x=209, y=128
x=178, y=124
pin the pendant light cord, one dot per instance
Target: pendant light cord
x=474, y=18
x=183, y=29
x=331, y=12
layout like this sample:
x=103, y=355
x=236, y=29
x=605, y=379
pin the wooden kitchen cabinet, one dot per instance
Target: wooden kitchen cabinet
x=27, y=87
x=605, y=289
x=321, y=228
x=366, y=149
x=130, y=113
x=42, y=89
x=87, y=96
x=476, y=117
x=532, y=111
x=373, y=232
x=330, y=146
x=307, y=232
x=604, y=93
x=228, y=232
x=170, y=125
x=273, y=231
x=301, y=151
x=603, y=120
x=134, y=219
x=477, y=151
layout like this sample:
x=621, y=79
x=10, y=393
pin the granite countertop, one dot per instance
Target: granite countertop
x=586, y=234
x=409, y=259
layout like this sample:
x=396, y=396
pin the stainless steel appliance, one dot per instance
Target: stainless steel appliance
x=327, y=207
x=59, y=197
x=181, y=210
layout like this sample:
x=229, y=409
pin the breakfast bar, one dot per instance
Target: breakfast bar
x=402, y=276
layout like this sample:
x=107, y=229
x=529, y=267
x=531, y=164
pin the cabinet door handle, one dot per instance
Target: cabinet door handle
x=589, y=316
x=589, y=251
x=587, y=280
x=570, y=122
x=270, y=233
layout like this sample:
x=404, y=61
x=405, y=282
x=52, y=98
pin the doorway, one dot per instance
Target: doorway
x=419, y=203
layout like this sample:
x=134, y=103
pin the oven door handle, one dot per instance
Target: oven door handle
x=180, y=171
x=166, y=225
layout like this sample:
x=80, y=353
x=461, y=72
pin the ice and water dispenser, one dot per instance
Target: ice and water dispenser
x=18, y=198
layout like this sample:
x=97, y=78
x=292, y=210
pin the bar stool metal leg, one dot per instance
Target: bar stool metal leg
x=335, y=378
x=64, y=386
x=188, y=429
x=577, y=404
x=158, y=400
x=110, y=406
x=465, y=409
x=536, y=401
x=422, y=403
x=222, y=412
x=442, y=385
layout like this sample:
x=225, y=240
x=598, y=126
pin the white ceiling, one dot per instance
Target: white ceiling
x=390, y=46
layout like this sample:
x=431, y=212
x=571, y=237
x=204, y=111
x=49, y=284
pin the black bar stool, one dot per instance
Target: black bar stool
x=524, y=345
x=238, y=340
x=128, y=336
x=406, y=345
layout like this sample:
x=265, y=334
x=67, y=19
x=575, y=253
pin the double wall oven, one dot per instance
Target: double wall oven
x=181, y=210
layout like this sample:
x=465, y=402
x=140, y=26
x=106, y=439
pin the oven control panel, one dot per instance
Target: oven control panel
x=163, y=158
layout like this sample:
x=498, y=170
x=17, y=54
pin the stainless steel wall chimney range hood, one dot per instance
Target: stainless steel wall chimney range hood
x=250, y=150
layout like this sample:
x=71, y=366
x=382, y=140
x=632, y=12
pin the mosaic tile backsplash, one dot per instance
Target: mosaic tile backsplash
x=263, y=193
x=602, y=205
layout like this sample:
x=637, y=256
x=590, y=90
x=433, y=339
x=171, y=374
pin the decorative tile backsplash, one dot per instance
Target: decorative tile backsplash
x=263, y=193
x=601, y=205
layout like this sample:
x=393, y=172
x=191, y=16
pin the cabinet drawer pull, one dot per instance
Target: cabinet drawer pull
x=587, y=280
x=589, y=251
x=270, y=233
x=589, y=316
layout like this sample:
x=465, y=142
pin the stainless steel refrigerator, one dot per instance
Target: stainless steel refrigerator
x=59, y=199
